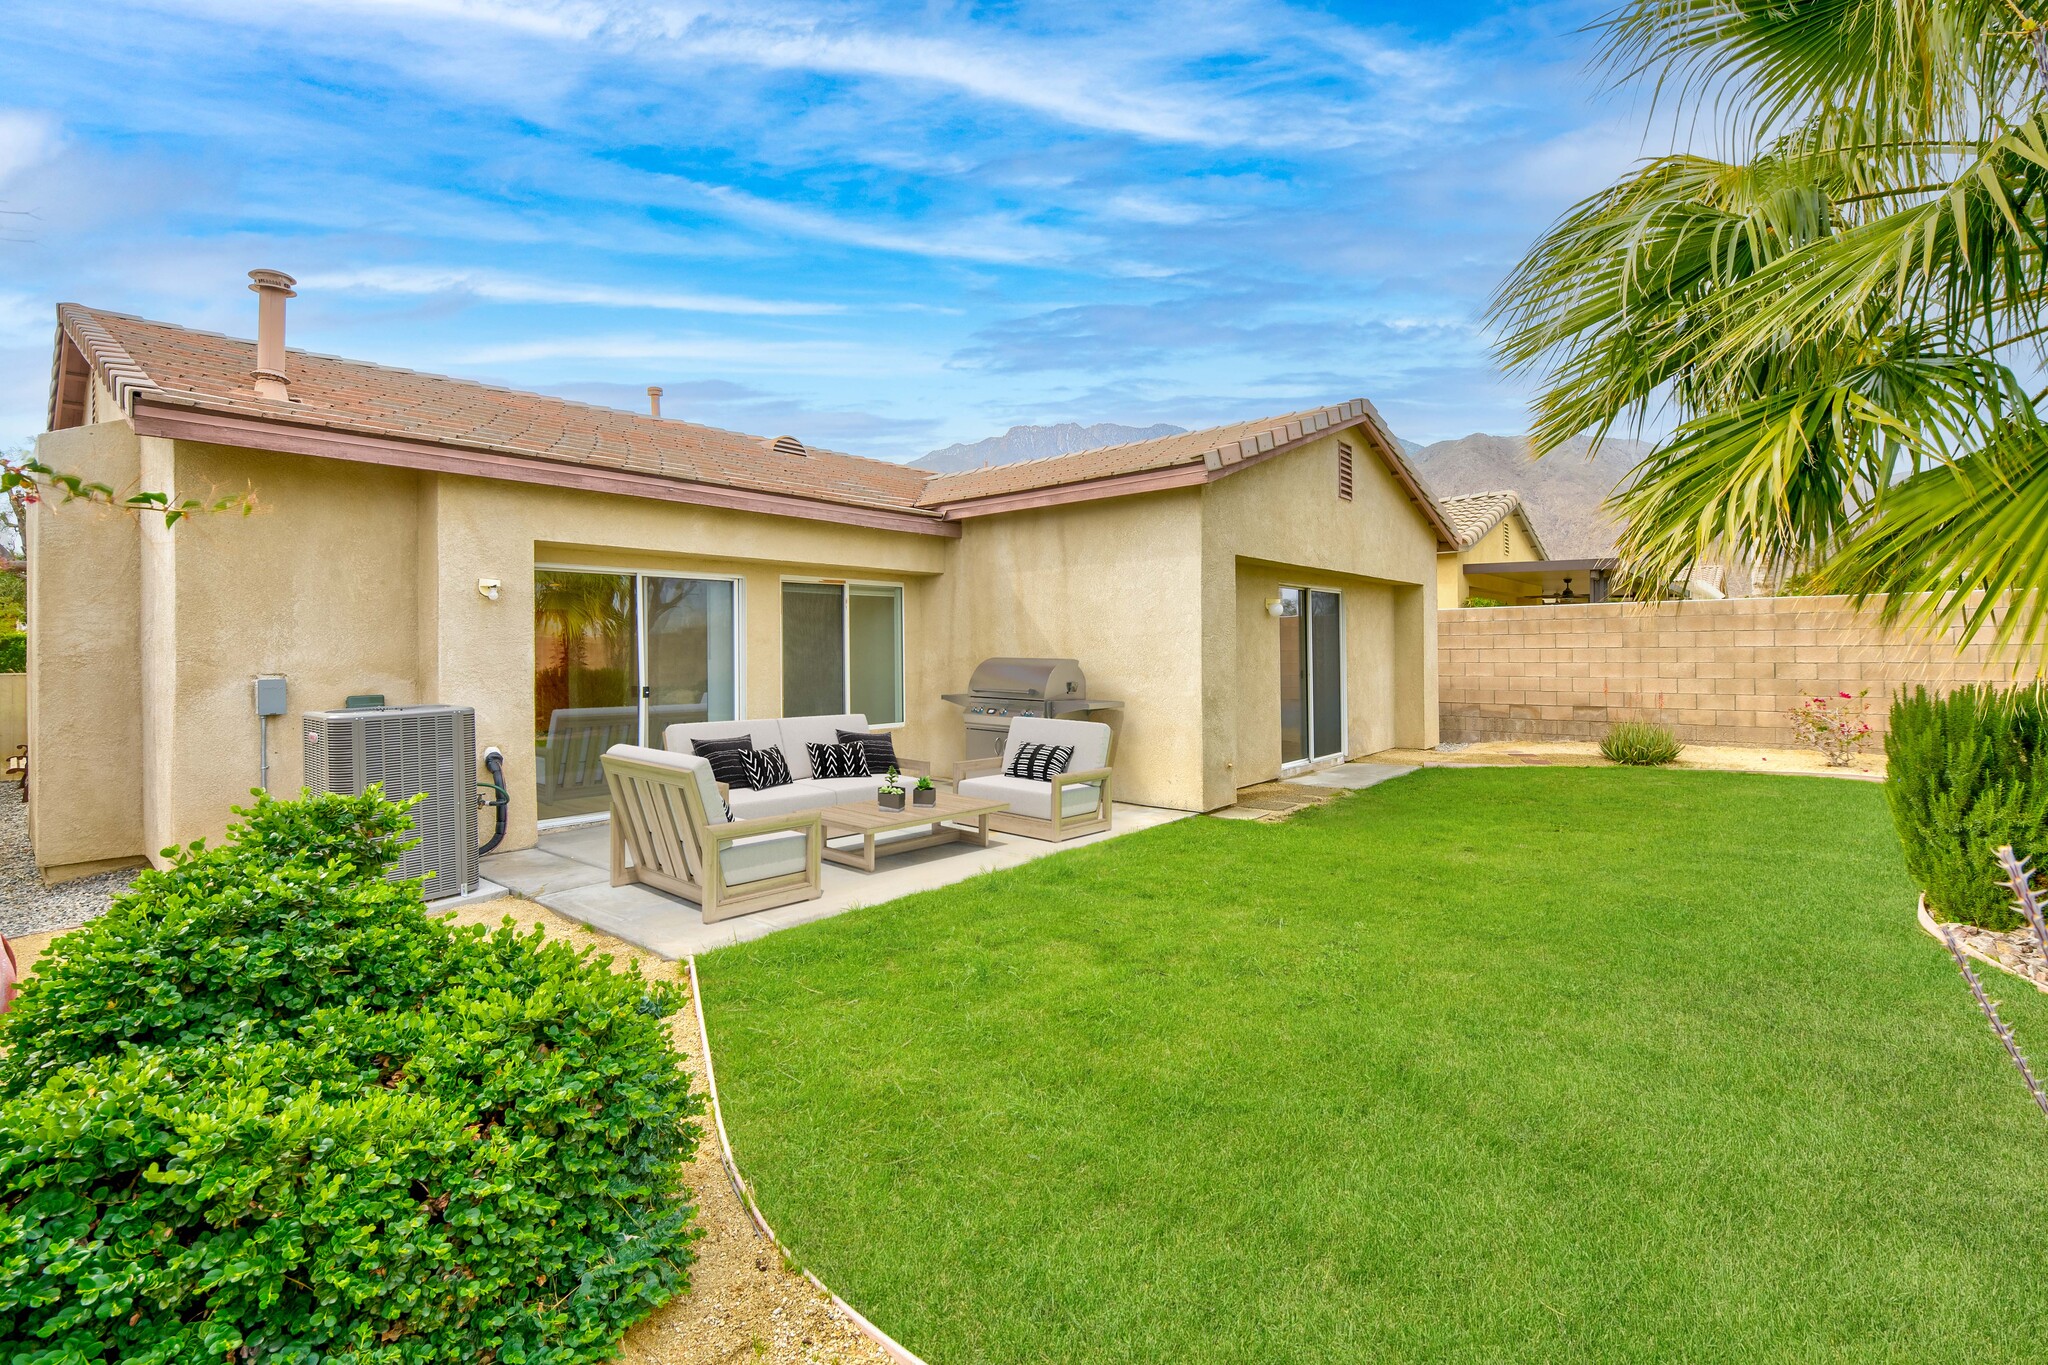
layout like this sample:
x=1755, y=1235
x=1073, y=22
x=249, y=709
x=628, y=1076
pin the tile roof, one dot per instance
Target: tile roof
x=204, y=370
x=1217, y=448
x=1472, y=515
x=1161, y=452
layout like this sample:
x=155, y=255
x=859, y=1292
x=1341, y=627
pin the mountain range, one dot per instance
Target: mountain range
x=1036, y=443
x=1562, y=491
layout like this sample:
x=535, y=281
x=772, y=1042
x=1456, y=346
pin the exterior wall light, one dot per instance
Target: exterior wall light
x=489, y=588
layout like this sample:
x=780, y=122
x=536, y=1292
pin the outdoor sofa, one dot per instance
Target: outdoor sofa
x=790, y=734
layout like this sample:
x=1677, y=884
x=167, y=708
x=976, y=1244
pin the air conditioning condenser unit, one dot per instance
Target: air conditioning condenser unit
x=424, y=751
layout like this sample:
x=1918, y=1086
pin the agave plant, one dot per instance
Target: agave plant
x=1836, y=305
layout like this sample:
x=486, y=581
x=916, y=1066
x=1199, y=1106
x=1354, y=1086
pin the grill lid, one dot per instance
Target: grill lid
x=1037, y=679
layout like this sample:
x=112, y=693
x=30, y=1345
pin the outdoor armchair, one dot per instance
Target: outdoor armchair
x=1075, y=802
x=667, y=813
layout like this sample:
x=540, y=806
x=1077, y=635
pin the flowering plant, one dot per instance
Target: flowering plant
x=1834, y=725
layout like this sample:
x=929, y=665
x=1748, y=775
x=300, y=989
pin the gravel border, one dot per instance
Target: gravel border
x=26, y=905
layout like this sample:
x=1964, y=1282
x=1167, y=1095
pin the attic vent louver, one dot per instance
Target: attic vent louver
x=787, y=445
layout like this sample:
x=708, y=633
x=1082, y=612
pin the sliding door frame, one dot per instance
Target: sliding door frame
x=642, y=698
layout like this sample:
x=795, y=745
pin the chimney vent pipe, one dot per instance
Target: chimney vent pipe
x=654, y=399
x=272, y=288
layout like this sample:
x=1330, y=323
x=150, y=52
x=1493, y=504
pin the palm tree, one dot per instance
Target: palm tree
x=582, y=608
x=1841, y=313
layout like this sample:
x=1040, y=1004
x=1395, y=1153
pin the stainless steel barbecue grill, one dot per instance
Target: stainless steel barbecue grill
x=1003, y=689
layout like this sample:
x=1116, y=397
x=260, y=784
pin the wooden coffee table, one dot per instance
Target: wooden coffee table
x=868, y=819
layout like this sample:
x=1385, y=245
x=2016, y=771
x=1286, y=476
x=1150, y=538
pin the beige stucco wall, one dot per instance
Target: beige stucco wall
x=1507, y=543
x=353, y=578
x=84, y=647
x=1114, y=584
x=365, y=580
x=1723, y=672
x=1282, y=522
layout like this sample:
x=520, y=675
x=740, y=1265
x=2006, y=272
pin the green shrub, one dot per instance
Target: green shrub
x=13, y=652
x=1477, y=601
x=1965, y=774
x=267, y=1108
x=1639, y=744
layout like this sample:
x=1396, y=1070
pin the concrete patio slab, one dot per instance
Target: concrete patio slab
x=571, y=873
x=534, y=872
x=1352, y=776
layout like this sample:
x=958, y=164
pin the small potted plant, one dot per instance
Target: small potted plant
x=924, y=793
x=891, y=793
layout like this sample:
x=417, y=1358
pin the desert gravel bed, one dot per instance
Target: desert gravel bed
x=26, y=905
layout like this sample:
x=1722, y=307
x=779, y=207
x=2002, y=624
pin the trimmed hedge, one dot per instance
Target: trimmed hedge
x=1967, y=772
x=13, y=652
x=268, y=1109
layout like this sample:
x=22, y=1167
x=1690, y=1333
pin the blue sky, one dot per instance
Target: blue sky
x=881, y=228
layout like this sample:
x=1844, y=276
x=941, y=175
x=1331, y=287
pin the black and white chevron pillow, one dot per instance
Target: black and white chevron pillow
x=766, y=768
x=839, y=760
x=880, y=745
x=1039, y=762
x=727, y=757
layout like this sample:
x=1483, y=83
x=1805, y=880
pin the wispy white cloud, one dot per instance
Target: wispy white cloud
x=28, y=137
x=497, y=288
x=721, y=353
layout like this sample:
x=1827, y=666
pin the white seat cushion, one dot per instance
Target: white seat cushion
x=797, y=731
x=849, y=789
x=1089, y=740
x=697, y=767
x=761, y=856
x=1033, y=798
x=749, y=804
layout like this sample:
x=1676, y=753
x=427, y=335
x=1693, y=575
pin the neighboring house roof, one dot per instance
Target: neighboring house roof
x=1472, y=515
x=178, y=382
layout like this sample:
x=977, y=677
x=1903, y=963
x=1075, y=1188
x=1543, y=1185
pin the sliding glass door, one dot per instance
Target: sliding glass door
x=619, y=657
x=1325, y=675
x=691, y=640
x=842, y=650
x=1311, y=675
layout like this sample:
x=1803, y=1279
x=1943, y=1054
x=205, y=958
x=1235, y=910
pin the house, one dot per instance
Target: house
x=1495, y=539
x=1260, y=596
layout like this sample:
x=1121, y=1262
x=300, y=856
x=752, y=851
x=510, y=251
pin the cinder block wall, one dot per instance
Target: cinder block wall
x=1717, y=672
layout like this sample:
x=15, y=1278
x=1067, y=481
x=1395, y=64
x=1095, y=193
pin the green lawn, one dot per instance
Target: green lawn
x=1508, y=1064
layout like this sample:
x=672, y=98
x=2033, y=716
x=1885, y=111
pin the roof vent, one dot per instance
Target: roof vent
x=272, y=288
x=787, y=445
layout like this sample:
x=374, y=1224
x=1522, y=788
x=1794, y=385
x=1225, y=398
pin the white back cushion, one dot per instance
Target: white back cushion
x=765, y=734
x=1089, y=738
x=697, y=767
x=797, y=731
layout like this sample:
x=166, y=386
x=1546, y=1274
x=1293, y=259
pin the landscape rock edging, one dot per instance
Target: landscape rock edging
x=1934, y=931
